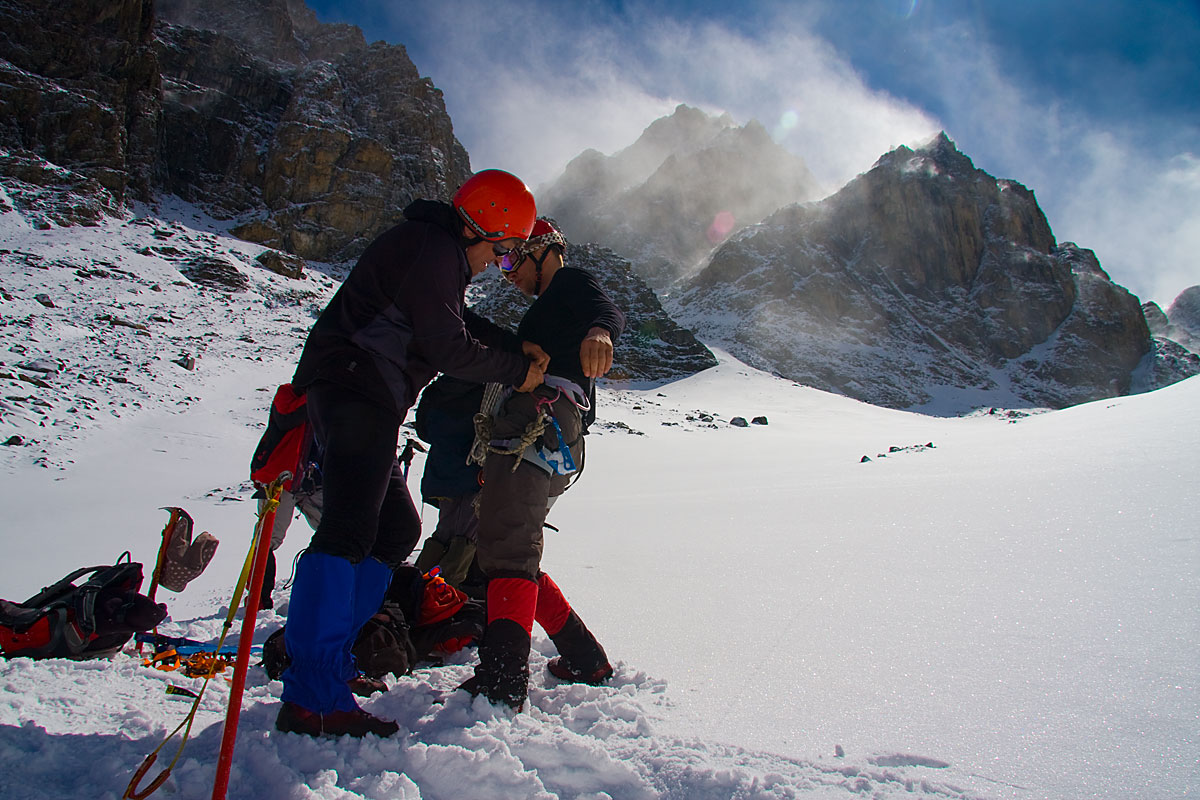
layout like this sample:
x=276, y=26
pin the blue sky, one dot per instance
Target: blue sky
x=1095, y=105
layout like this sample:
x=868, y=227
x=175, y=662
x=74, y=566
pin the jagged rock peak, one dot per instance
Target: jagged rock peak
x=939, y=156
x=1185, y=309
x=1181, y=321
x=925, y=283
x=275, y=30
x=686, y=129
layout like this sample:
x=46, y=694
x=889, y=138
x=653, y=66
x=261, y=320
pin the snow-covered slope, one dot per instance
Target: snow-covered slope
x=97, y=322
x=996, y=606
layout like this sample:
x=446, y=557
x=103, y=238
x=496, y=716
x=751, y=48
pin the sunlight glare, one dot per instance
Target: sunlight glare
x=721, y=227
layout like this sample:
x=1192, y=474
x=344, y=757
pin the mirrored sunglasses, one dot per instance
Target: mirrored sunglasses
x=511, y=260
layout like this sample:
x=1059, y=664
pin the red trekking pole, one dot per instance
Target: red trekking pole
x=262, y=547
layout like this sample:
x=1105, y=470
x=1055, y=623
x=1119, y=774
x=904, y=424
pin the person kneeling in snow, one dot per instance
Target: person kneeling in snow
x=534, y=445
x=450, y=483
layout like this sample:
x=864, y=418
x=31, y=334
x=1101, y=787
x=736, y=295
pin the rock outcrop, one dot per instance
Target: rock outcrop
x=79, y=87
x=924, y=283
x=313, y=140
x=1181, y=321
x=685, y=185
x=308, y=138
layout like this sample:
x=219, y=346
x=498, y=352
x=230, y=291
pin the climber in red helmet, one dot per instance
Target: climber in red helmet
x=397, y=320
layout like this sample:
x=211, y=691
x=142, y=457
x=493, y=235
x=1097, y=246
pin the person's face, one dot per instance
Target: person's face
x=524, y=277
x=482, y=255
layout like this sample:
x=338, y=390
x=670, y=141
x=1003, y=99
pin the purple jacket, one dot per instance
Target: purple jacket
x=399, y=319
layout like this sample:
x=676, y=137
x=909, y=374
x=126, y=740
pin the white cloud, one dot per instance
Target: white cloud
x=580, y=76
x=567, y=84
x=1141, y=214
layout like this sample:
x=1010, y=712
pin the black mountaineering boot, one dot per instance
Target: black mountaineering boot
x=581, y=658
x=265, y=600
x=503, y=672
x=502, y=675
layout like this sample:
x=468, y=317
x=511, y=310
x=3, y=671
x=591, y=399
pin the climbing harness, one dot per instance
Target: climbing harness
x=555, y=461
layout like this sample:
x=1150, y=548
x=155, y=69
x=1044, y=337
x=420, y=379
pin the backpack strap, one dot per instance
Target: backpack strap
x=57, y=591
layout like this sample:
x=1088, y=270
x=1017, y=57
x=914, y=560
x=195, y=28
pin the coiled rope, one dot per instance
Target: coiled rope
x=493, y=396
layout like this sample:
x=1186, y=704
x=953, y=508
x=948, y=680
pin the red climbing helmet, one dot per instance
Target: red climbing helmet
x=496, y=205
x=544, y=234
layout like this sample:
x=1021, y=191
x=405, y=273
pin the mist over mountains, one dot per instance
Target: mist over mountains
x=924, y=283
x=1180, y=323
x=668, y=199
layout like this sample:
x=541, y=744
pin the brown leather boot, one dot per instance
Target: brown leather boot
x=365, y=685
x=294, y=719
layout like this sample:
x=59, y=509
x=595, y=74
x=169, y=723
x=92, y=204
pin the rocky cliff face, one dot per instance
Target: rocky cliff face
x=311, y=138
x=686, y=184
x=652, y=348
x=924, y=283
x=79, y=87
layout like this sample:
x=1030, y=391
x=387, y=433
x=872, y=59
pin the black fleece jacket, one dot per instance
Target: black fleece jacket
x=399, y=319
x=560, y=319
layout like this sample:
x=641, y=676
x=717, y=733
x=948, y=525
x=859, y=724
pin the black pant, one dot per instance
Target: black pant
x=367, y=508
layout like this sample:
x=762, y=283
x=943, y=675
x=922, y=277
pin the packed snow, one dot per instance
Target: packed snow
x=1002, y=605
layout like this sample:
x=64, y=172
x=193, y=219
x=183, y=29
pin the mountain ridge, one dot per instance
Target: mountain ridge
x=926, y=283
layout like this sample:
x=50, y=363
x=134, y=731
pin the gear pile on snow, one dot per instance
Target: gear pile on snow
x=93, y=619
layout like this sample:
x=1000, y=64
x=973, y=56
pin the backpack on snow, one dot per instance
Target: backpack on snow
x=93, y=619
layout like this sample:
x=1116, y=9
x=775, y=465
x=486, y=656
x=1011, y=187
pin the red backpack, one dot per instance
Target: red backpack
x=285, y=444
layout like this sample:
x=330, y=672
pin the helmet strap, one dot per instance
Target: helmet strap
x=537, y=284
x=537, y=269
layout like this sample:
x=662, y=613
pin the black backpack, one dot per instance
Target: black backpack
x=93, y=619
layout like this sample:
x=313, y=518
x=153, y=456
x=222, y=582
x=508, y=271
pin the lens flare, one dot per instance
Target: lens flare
x=787, y=121
x=721, y=227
